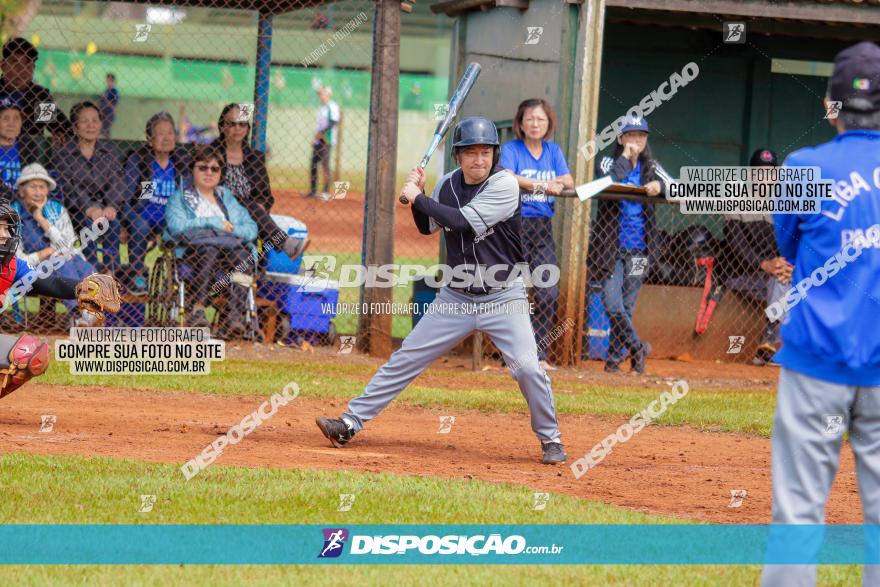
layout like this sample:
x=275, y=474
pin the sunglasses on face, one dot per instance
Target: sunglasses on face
x=208, y=168
x=238, y=124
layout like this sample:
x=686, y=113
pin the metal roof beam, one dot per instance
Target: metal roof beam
x=852, y=14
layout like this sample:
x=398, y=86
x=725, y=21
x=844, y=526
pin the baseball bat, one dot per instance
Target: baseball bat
x=461, y=92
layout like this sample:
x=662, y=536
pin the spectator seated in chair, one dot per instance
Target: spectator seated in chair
x=153, y=173
x=217, y=234
x=46, y=227
x=753, y=266
x=93, y=183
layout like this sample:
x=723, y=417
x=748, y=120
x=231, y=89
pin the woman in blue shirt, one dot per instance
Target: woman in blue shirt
x=542, y=172
x=10, y=130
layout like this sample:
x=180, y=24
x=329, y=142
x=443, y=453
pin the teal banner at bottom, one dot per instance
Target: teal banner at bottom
x=710, y=544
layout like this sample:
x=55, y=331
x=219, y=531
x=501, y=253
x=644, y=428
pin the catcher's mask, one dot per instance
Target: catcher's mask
x=10, y=221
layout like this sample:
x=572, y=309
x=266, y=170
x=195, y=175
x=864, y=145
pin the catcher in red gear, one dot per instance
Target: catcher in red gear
x=25, y=356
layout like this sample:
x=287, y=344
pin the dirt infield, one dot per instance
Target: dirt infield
x=663, y=470
x=338, y=225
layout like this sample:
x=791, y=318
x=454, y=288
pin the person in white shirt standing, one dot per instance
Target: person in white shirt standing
x=323, y=141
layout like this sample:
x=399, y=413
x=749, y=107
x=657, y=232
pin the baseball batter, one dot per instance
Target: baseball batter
x=830, y=356
x=477, y=206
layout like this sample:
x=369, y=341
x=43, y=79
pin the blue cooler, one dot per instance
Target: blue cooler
x=599, y=326
x=309, y=301
x=277, y=261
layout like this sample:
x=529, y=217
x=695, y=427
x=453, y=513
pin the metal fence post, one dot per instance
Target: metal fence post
x=261, y=83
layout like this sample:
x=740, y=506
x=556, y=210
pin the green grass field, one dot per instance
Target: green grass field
x=715, y=410
x=70, y=490
x=74, y=490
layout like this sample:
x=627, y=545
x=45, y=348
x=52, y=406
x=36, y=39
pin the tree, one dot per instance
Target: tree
x=16, y=16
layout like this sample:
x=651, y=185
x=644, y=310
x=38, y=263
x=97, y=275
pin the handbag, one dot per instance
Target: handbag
x=210, y=237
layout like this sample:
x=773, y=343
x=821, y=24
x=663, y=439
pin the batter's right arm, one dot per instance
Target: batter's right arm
x=424, y=222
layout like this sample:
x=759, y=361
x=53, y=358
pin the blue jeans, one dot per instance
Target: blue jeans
x=109, y=243
x=136, y=227
x=75, y=268
x=621, y=291
x=140, y=231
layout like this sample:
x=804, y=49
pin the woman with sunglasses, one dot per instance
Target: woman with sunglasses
x=247, y=177
x=218, y=234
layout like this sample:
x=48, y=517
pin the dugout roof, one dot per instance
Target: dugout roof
x=850, y=12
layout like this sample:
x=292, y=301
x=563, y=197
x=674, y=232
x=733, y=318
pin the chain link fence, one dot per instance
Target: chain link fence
x=129, y=98
x=127, y=93
x=699, y=290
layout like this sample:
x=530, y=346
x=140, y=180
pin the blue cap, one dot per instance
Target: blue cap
x=635, y=123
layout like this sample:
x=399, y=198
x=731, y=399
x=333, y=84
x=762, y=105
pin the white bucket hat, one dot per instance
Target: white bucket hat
x=32, y=172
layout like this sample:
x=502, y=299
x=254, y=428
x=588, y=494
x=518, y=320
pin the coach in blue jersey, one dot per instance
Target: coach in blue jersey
x=541, y=172
x=477, y=206
x=623, y=239
x=830, y=356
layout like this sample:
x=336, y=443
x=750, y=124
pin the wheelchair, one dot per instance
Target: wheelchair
x=167, y=287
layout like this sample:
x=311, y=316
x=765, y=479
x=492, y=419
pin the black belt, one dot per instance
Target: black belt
x=477, y=292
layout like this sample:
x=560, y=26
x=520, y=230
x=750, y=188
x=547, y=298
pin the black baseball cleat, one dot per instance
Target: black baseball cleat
x=639, y=357
x=554, y=453
x=335, y=430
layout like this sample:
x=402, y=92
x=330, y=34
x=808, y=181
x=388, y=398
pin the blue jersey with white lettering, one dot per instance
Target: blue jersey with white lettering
x=516, y=157
x=832, y=330
x=10, y=166
x=165, y=184
x=632, y=215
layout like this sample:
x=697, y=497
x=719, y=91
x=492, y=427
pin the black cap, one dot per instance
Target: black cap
x=764, y=158
x=855, y=80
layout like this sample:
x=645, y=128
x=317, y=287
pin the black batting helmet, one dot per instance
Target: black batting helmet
x=475, y=130
x=10, y=220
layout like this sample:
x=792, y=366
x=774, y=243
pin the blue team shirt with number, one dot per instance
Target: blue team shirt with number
x=10, y=165
x=516, y=157
x=165, y=181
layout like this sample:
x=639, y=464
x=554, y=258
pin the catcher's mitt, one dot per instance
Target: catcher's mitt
x=96, y=294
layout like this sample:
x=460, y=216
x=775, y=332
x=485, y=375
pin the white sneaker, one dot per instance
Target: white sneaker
x=547, y=366
x=324, y=196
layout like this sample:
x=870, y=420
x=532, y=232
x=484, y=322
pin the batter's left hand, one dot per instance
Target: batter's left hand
x=653, y=188
x=417, y=176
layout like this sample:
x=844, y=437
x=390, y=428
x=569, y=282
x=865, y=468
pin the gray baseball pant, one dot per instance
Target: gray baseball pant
x=811, y=417
x=450, y=318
